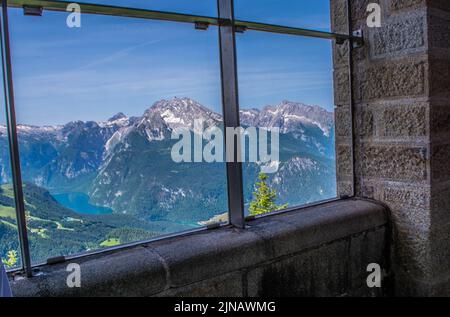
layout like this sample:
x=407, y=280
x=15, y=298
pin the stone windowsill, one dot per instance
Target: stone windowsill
x=162, y=267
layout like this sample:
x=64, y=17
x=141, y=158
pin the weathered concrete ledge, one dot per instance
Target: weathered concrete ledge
x=318, y=251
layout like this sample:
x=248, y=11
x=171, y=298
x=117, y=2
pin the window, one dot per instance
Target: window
x=96, y=109
x=122, y=122
x=285, y=82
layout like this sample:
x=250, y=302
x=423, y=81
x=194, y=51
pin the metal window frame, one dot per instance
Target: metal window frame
x=100, y=9
x=230, y=104
x=351, y=46
x=227, y=27
x=14, y=143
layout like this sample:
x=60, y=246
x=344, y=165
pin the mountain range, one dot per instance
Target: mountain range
x=124, y=162
x=92, y=184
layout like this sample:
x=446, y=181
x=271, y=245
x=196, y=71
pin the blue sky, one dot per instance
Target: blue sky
x=114, y=64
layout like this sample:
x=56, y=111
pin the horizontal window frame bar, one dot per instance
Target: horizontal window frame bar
x=249, y=219
x=280, y=29
x=99, y=9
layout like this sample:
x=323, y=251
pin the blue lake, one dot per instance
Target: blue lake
x=79, y=202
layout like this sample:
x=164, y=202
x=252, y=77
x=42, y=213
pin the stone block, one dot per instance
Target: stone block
x=340, y=56
x=338, y=10
x=343, y=121
x=411, y=218
x=318, y=272
x=228, y=285
x=404, y=196
x=403, y=78
x=341, y=87
x=393, y=162
x=399, y=36
x=412, y=251
x=365, y=123
x=404, y=121
x=202, y=256
x=345, y=188
x=396, y=5
x=366, y=248
x=359, y=9
x=365, y=190
x=344, y=160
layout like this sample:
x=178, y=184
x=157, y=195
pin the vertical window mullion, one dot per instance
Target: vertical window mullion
x=13, y=142
x=350, y=44
x=230, y=106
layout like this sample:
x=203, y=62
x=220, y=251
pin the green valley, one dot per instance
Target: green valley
x=55, y=230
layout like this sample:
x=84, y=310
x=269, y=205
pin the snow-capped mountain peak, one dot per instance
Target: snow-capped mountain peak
x=182, y=112
x=289, y=116
x=118, y=117
x=167, y=115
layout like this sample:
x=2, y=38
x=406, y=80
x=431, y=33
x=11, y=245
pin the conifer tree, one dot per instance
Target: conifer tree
x=264, y=198
x=11, y=260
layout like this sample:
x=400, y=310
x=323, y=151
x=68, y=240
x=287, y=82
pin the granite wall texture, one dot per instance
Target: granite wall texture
x=401, y=118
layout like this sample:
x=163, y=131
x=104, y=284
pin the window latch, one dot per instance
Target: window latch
x=203, y=26
x=32, y=10
x=240, y=28
x=358, y=40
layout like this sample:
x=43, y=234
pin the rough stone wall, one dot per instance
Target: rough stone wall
x=401, y=82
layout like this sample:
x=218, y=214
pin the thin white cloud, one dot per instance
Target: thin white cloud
x=120, y=54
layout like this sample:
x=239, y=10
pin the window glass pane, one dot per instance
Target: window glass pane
x=285, y=82
x=98, y=106
x=194, y=7
x=295, y=13
x=9, y=239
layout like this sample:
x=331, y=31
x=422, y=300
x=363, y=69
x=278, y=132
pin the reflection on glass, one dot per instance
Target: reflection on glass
x=285, y=82
x=97, y=108
x=294, y=13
